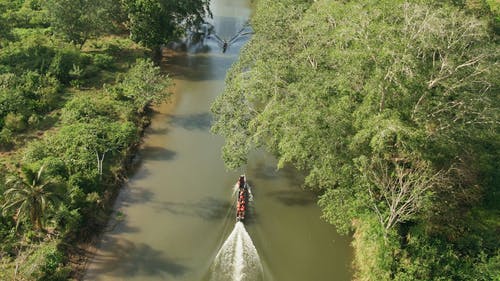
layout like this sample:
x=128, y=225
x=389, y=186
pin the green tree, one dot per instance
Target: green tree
x=81, y=145
x=374, y=84
x=79, y=20
x=155, y=22
x=4, y=25
x=390, y=108
x=143, y=85
x=31, y=195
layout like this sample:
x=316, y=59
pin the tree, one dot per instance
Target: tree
x=381, y=104
x=80, y=144
x=155, y=22
x=143, y=85
x=79, y=20
x=330, y=82
x=398, y=189
x=5, y=27
x=30, y=194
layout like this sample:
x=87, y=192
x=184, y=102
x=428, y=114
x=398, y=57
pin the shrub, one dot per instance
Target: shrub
x=67, y=219
x=41, y=262
x=86, y=108
x=25, y=55
x=66, y=63
x=41, y=90
x=15, y=122
x=103, y=61
x=6, y=138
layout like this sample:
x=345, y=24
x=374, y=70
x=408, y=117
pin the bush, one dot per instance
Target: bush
x=112, y=49
x=143, y=84
x=15, y=122
x=42, y=262
x=33, y=120
x=65, y=63
x=67, y=220
x=41, y=90
x=103, y=61
x=29, y=54
x=6, y=138
x=85, y=108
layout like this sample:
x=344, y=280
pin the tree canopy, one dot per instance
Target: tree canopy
x=154, y=22
x=389, y=107
x=79, y=20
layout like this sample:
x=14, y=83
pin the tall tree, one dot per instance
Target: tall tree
x=389, y=107
x=155, y=22
x=5, y=27
x=79, y=20
x=392, y=81
x=30, y=194
x=143, y=85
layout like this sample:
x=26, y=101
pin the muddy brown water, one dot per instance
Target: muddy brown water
x=176, y=210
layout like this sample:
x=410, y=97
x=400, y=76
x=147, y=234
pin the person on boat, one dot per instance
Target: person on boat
x=241, y=182
x=242, y=210
x=224, y=46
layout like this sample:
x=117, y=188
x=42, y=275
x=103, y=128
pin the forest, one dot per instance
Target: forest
x=76, y=83
x=391, y=110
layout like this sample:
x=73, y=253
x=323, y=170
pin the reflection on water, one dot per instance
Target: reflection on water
x=135, y=259
x=177, y=206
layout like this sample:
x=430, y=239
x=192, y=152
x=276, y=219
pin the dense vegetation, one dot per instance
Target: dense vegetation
x=74, y=93
x=391, y=109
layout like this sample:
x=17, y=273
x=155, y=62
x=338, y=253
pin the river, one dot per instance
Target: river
x=176, y=210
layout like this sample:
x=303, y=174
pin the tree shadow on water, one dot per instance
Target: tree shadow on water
x=157, y=153
x=200, y=121
x=135, y=195
x=208, y=208
x=293, y=198
x=124, y=258
x=198, y=67
x=264, y=171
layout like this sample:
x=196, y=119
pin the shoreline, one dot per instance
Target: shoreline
x=80, y=255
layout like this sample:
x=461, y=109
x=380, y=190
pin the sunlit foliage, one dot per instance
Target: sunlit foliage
x=389, y=107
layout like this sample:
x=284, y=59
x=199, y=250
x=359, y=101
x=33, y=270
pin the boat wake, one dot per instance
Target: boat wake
x=237, y=260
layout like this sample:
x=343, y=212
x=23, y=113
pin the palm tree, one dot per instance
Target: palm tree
x=29, y=194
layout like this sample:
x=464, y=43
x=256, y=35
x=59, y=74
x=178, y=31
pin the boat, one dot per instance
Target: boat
x=242, y=196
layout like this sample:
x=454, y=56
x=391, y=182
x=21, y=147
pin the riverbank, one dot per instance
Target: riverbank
x=82, y=254
x=105, y=115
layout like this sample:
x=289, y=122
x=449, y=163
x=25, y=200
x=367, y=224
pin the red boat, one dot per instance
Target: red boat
x=242, y=198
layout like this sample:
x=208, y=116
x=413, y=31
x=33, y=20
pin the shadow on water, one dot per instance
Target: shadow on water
x=209, y=208
x=293, y=198
x=119, y=224
x=265, y=170
x=136, y=196
x=197, y=62
x=157, y=153
x=199, y=121
x=157, y=131
x=134, y=259
x=149, y=152
x=198, y=67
